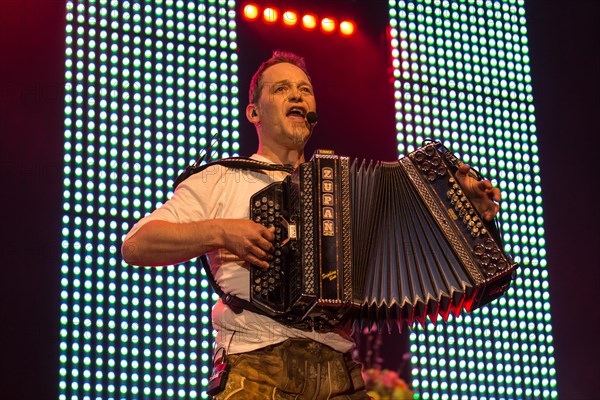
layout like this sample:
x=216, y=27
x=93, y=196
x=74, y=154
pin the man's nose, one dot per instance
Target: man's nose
x=295, y=93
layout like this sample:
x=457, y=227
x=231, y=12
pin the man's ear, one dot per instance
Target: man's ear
x=252, y=114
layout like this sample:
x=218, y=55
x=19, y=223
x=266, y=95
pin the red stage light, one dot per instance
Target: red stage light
x=251, y=12
x=347, y=28
x=328, y=24
x=270, y=15
x=309, y=22
x=290, y=18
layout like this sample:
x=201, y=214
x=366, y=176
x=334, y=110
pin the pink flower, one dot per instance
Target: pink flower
x=389, y=379
x=371, y=375
x=386, y=385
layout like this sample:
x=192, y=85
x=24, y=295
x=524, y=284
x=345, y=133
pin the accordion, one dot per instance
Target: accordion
x=375, y=243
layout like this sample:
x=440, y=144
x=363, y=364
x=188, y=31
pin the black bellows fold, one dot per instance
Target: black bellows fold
x=403, y=265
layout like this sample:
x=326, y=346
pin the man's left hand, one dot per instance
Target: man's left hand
x=482, y=194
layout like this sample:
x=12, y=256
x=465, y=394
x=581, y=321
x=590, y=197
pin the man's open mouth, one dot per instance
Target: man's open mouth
x=296, y=112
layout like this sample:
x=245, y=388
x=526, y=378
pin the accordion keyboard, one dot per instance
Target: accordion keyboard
x=266, y=284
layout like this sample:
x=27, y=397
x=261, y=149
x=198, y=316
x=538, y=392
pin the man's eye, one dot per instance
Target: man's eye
x=280, y=89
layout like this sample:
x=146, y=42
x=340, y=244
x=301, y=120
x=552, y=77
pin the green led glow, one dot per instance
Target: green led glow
x=146, y=84
x=462, y=76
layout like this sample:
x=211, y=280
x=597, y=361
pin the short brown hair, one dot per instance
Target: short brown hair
x=278, y=57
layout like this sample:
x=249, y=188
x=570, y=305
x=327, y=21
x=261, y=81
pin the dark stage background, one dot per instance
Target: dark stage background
x=565, y=67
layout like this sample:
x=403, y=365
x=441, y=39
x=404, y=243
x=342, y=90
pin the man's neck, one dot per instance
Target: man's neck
x=281, y=156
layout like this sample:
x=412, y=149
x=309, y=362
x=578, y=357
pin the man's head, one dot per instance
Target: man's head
x=278, y=56
x=281, y=95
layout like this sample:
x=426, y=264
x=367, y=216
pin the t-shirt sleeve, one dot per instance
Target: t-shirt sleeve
x=197, y=198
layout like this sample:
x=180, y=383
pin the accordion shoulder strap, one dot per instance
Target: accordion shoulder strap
x=233, y=162
x=235, y=303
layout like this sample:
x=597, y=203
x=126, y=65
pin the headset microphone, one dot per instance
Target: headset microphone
x=312, y=117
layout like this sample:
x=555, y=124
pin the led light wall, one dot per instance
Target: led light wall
x=147, y=84
x=462, y=76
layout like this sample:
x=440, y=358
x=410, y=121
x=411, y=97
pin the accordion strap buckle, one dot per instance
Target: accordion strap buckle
x=290, y=228
x=227, y=298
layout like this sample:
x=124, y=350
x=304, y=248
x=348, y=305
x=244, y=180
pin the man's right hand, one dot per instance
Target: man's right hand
x=248, y=240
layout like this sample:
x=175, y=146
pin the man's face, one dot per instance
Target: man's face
x=285, y=99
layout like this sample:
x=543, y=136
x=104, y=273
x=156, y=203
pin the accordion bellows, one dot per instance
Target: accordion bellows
x=376, y=242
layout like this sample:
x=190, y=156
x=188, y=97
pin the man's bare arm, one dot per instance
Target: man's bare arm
x=163, y=243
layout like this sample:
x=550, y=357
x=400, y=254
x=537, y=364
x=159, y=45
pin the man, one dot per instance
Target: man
x=209, y=213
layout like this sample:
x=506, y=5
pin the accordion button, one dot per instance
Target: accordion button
x=478, y=250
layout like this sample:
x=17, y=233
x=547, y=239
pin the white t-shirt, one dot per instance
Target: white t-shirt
x=220, y=192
